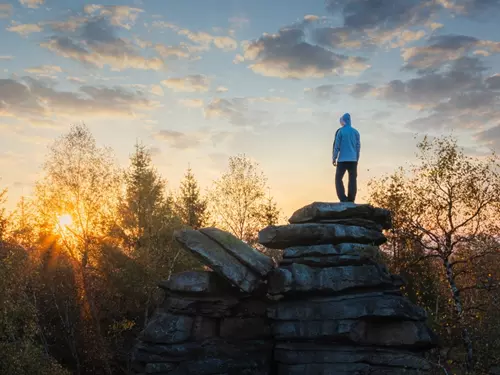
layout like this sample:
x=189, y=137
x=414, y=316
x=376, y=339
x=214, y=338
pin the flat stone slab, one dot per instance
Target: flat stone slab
x=369, y=305
x=252, y=258
x=166, y=328
x=198, y=283
x=283, y=236
x=321, y=211
x=216, y=347
x=343, y=369
x=218, y=259
x=299, y=278
x=354, y=249
x=305, y=352
x=215, y=307
x=409, y=335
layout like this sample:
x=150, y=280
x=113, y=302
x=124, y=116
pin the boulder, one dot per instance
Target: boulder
x=398, y=334
x=298, y=278
x=283, y=236
x=306, y=352
x=342, y=249
x=321, y=211
x=369, y=305
x=217, y=258
x=255, y=260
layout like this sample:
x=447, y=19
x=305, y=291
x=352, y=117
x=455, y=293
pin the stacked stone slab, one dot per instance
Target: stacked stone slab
x=211, y=322
x=340, y=311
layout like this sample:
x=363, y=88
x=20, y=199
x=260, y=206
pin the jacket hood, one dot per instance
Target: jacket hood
x=346, y=118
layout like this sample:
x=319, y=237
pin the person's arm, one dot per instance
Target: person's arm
x=358, y=145
x=336, y=145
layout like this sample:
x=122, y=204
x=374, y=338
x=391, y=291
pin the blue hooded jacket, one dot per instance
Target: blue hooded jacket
x=347, y=143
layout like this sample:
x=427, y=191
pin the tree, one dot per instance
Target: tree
x=238, y=200
x=76, y=202
x=190, y=206
x=3, y=215
x=145, y=224
x=447, y=207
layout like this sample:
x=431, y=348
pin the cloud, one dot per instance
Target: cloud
x=179, y=140
x=94, y=43
x=31, y=3
x=286, y=54
x=490, y=136
x=39, y=100
x=322, y=93
x=202, y=39
x=157, y=90
x=360, y=90
x=6, y=57
x=460, y=95
x=242, y=112
x=5, y=10
x=442, y=49
x=221, y=89
x=493, y=82
x=75, y=79
x=45, y=70
x=24, y=29
x=179, y=52
x=119, y=15
x=191, y=103
x=191, y=83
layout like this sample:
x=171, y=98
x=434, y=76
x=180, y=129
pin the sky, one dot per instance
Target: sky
x=198, y=81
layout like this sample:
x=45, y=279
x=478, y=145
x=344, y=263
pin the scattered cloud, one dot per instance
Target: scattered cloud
x=202, y=39
x=5, y=10
x=242, y=112
x=191, y=83
x=44, y=70
x=6, y=57
x=191, y=103
x=94, y=43
x=31, y=3
x=286, y=54
x=24, y=29
x=181, y=51
x=239, y=22
x=157, y=90
x=75, y=79
x=221, y=89
x=119, y=15
x=442, y=49
x=322, y=93
x=40, y=100
x=460, y=95
x=179, y=140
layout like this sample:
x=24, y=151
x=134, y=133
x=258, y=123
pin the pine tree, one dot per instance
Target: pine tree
x=190, y=206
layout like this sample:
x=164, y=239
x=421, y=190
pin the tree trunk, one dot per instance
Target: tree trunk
x=460, y=313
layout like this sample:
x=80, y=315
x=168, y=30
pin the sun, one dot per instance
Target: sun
x=64, y=220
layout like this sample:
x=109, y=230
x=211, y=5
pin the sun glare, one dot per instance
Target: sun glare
x=65, y=220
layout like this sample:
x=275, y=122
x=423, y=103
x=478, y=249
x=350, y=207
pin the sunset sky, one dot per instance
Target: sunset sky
x=200, y=80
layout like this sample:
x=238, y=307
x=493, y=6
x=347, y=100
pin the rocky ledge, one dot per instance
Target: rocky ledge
x=330, y=307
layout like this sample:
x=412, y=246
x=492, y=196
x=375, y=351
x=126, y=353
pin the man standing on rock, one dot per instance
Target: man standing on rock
x=346, y=148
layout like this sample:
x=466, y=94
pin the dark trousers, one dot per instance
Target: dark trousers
x=351, y=167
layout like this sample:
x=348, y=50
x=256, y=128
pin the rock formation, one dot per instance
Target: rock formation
x=331, y=307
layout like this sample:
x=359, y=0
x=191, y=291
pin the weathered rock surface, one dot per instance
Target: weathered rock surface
x=283, y=236
x=298, y=278
x=321, y=211
x=372, y=305
x=217, y=258
x=402, y=334
x=306, y=352
x=166, y=328
x=204, y=306
x=198, y=283
x=245, y=328
x=255, y=260
x=343, y=369
x=342, y=249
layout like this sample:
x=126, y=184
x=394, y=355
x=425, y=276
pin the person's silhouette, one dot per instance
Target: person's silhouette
x=346, y=149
